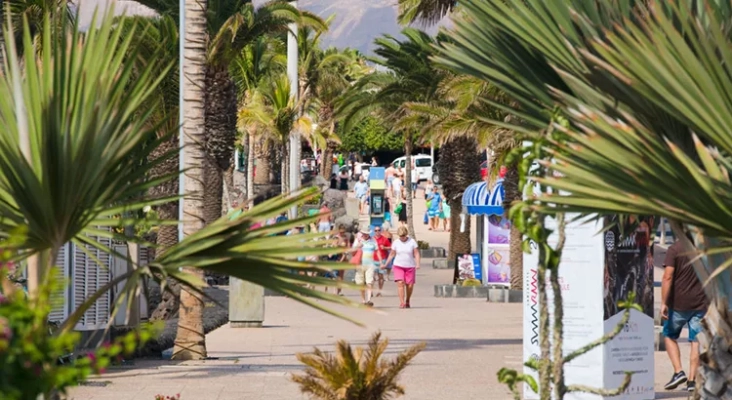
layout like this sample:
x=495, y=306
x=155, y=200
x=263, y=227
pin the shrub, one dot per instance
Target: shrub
x=472, y=282
x=31, y=353
x=422, y=245
x=357, y=374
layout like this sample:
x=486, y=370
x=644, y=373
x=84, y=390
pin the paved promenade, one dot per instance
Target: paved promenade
x=468, y=341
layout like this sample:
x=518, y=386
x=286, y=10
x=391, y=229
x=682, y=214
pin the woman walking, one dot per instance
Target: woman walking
x=445, y=215
x=405, y=254
x=433, y=212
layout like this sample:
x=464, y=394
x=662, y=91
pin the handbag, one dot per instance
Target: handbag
x=429, y=204
x=356, y=258
x=398, y=208
x=426, y=219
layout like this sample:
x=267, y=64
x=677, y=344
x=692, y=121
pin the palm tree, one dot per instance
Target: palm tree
x=426, y=12
x=338, y=70
x=157, y=48
x=628, y=138
x=34, y=12
x=272, y=112
x=354, y=374
x=457, y=120
x=190, y=339
x=231, y=26
x=410, y=77
x=255, y=63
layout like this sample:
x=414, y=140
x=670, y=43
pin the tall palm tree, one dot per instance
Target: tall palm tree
x=231, y=26
x=633, y=140
x=190, y=339
x=255, y=63
x=273, y=112
x=339, y=70
x=410, y=77
x=157, y=48
x=458, y=120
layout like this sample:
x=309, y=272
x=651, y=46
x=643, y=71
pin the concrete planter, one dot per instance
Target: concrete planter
x=443, y=263
x=492, y=294
x=505, y=295
x=432, y=252
x=461, y=291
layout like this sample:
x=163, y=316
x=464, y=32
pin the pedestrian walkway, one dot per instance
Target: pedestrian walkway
x=468, y=341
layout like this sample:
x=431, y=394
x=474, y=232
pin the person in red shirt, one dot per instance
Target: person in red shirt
x=381, y=255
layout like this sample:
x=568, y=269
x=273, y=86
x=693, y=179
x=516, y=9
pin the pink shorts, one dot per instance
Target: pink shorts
x=405, y=274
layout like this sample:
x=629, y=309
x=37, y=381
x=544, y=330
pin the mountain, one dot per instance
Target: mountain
x=357, y=22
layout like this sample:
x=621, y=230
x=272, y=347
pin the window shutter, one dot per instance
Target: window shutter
x=88, y=278
x=60, y=298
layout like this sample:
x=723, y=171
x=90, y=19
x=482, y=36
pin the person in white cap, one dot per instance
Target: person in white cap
x=365, y=272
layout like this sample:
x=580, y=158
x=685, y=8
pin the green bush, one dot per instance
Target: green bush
x=30, y=351
x=422, y=245
x=471, y=282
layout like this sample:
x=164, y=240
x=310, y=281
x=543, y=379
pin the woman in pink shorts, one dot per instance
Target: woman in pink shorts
x=405, y=254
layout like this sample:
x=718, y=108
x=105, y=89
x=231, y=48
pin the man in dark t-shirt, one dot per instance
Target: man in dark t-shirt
x=684, y=303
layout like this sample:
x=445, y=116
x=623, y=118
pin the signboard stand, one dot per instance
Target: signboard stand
x=597, y=271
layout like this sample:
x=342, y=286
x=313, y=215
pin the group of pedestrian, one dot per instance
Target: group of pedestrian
x=376, y=256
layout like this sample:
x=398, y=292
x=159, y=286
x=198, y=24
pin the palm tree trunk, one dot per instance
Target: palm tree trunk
x=326, y=163
x=408, y=182
x=250, y=170
x=213, y=183
x=263, y=155
x=284, y=170
x=190, y=341
x=458, y=168
x=516, y=254
x=167, y=236
x=220, y=133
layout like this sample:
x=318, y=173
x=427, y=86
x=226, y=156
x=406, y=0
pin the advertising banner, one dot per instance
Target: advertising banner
x=499, y=229
x=470, y=266
x=583, y=274
x=498, y=267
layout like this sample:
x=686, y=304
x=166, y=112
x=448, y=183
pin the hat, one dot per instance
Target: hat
x=366, y=231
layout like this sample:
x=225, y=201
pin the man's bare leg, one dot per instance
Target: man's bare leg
x=694, y=360
x=672, y=348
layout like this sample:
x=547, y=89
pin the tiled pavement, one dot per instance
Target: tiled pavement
x=468, y=341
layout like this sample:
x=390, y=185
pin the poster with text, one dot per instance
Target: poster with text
x=470, y=267
x=499, y=229
x=498, y=265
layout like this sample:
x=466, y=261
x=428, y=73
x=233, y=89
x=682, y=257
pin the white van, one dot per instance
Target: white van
x=422, y=163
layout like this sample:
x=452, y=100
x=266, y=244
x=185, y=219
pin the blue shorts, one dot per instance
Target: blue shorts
x=676, y=321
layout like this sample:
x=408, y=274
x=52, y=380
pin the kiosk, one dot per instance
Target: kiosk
x=493, y=232
x=377, y=195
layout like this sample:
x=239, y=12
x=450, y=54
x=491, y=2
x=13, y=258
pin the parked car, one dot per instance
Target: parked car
x=422, y=163
x=435, y=175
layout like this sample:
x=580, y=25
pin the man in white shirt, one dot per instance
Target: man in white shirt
x=396, y=187
x=356, y=170
x=415, y=182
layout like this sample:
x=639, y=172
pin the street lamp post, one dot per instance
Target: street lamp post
x=295, y=141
